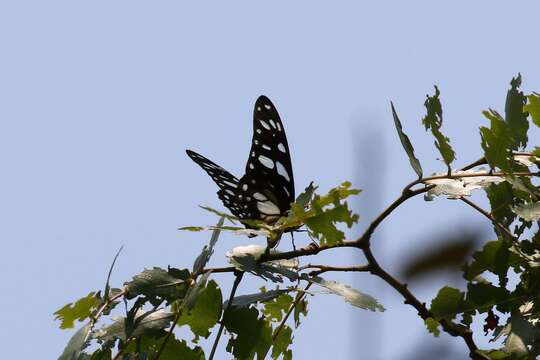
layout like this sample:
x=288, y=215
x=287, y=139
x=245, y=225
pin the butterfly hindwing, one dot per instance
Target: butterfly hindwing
x=228, y=184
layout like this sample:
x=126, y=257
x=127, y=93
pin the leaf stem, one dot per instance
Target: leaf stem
x=239, y=275
x=299, y=298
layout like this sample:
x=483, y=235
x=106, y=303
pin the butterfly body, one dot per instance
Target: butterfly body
x=266, y=190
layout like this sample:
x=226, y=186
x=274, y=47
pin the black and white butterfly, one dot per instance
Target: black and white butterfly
x=266, y=191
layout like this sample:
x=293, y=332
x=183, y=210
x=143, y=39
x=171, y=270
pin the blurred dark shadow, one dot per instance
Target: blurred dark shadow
x=369, y=169
x=437, y=350
x=446, y=251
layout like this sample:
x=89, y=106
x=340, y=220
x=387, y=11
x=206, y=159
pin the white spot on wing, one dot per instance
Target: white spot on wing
x=268, y=208
x=251, y=166
x=281, y=148
x=265, y=124
x=244, y=187
x=260, y=196
x=282, y=171
x=266, y=161
x=268, y=107
x=266, y=147
x=278, y=126
x=272, y=123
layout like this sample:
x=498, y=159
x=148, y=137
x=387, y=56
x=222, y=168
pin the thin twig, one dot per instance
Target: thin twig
x=169, y=333
x=299, y=298
x=325, y=268
x=489, y=216
x=237, y=280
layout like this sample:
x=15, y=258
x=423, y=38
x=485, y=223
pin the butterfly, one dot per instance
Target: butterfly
x=266, y=190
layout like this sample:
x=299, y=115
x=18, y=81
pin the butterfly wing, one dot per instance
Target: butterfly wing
x=268, y=185
x=228, y=185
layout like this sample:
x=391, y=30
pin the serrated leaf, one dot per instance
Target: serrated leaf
x=76, y=344
x=278, y=307
x=497, y=142
x=208, y=250
x=447, y=304
x=79, y=310
x=282, y=343
x=528, y=212
x=514, y=115
x=145, y=322
x=156, y=282
x=533, y=107
x=433, y=326
x=205, y=312
x=246, y=300
x=351, y=295
x=433, y=121
x=253, y=334
x=406, y=142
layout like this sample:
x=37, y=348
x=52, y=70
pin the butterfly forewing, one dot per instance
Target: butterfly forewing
x=268, y=182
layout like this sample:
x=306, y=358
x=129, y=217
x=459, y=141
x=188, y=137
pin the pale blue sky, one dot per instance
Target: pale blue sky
x=98, y=101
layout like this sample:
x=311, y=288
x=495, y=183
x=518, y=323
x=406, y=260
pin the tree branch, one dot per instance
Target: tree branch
x=299, y=298
x=489, y=216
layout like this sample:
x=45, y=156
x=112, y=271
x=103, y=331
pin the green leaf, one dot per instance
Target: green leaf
x=148, y=347
x=514, y=115
x=482, y=297
x=278, y=307
x=433, y=326
x=300, y=309
x=501, y=199
x=102, y=354
x=352, y=296
x=158, y=283
x=497, y=142
x=305, y=198
x=495, y=257
x=208, y=250
x=80, y=310
x=447, y=304
x=415, y=163
x=193, y=228
x=282, y=343
x=205, y=312
x=76, y=344
x=533, y=107
x=264, y=296
x=253, y=334
x=433, y=121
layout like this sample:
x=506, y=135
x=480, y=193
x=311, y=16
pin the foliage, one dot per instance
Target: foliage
x=168, y=311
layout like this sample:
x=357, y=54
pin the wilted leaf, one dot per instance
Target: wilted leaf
x=253, y=334
x=156, y=282
x=145, y=322
x=514, y=115
x=533, y=107
x=433, y=326
x=528, y=212
x=80, y=310
x=457, y=186
x=352, y=296
x=415, y=163
x=76, y=344
x=205, y=312
x=433, y=121
x=447, y=304
x=246, y=300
